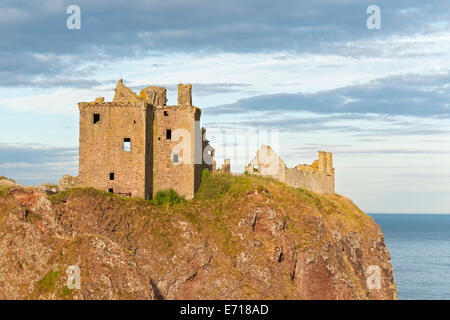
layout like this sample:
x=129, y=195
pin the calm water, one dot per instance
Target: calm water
x=420, y=253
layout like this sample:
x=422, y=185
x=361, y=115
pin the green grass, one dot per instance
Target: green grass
x=213, y=186
x=50, y=185
x=89, y=191
x=4, y=190
x=80, y=191
x=167, y=198
x=47, y=283
x=66, y=293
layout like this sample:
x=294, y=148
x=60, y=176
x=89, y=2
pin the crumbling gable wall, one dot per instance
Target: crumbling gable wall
x=125, y=94
x=317, y=177
x=267, y=163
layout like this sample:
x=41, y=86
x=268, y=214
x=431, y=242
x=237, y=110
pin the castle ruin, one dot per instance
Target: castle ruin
x=136, y=145
x=317, y=177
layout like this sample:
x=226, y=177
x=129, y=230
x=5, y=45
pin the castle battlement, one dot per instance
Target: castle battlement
x=119, y=104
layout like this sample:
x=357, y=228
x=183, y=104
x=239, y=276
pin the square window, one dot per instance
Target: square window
x=111, y=176
x=111, y=190
x=175, y=158
x=166, y=113
x=127, y=144
x=96, y=118
x=168, y=134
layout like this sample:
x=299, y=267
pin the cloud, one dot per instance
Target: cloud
x=34, y=164
x=234, y=26
x=204, y=89
x=407, y=95
x=46, y=71
x=36, y=46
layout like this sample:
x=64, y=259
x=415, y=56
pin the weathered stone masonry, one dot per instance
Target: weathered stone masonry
x=317, y=177
x=129, y=146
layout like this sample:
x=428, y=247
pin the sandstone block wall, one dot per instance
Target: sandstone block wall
x=173, y=160
x=102, y=153
x=318, y=177
x=320, y=183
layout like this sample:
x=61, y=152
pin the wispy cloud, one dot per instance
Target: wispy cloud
x=408, y=95
x=34, y=164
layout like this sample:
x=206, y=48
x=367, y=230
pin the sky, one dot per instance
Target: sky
x=309, y=73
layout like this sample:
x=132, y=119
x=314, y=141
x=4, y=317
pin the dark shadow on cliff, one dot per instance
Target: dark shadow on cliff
x=158, y=294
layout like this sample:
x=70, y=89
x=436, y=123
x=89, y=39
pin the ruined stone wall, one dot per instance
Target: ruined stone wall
x=226, y=168
x=181, y=176
x=156, y=96
x=102, y=146
x=267, y=163
x=314, y=181
x=125, y=94
x=318, y=177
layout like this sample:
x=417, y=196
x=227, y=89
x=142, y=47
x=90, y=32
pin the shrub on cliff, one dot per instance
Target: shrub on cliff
x=213, y=185
x=167, y=198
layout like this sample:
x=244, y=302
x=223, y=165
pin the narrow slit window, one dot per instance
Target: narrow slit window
x=111, y=190
x=127, y=144
x=96, y=118
x=175, y=158
x=168, y=134
x=166, y=113
x=111, y=176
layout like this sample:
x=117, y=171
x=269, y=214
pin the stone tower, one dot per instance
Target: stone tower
x=137, y=145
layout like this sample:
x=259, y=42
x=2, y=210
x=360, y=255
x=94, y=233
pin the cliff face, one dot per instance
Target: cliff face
x=241, y=238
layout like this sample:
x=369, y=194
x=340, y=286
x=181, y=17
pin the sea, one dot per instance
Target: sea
x=419, y=245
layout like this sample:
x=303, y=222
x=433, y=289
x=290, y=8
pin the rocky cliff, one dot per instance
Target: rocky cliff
x=242, y=237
